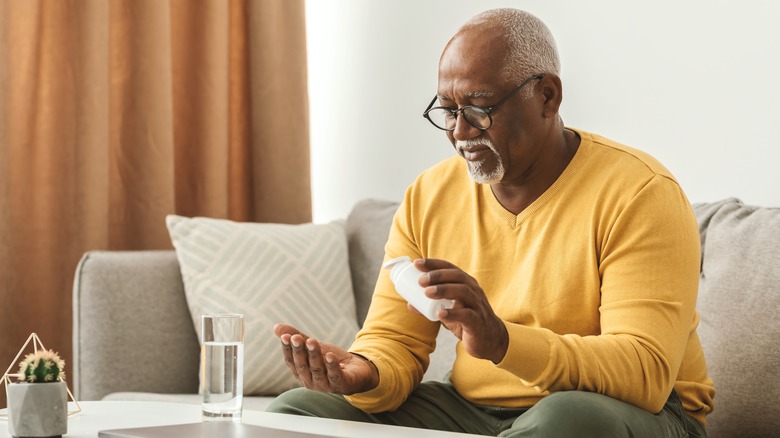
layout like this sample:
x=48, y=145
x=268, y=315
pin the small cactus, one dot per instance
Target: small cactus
x=41, y=367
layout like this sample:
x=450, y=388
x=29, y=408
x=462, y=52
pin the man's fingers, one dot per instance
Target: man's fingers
x=288, y=355
x=319, y=375
x=316, y=365
x=301, y=357
x=335, y=373
x=286, y=329
x=432, y=264
x=446, y=276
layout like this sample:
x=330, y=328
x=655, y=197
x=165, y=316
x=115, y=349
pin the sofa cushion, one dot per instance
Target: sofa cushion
x=129, y=316
x=271, y=273
x=739, y=293
x=368, y=226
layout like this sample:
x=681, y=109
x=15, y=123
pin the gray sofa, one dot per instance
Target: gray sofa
x=133, y=337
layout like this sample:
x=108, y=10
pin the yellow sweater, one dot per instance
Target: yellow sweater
x=596, y=282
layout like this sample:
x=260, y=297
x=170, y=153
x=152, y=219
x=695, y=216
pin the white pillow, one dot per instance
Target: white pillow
x=270, y=273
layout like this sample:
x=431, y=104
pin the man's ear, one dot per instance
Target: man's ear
x=552, y=90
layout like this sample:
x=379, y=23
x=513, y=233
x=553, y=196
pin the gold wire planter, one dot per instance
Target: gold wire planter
x=37, y=344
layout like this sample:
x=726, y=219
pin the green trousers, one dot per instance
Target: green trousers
x=436, y=405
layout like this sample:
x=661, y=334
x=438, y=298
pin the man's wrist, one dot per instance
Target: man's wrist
x=373, y=372
x=503, y=346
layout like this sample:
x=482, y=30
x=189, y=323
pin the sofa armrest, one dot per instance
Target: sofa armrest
x=132, y=329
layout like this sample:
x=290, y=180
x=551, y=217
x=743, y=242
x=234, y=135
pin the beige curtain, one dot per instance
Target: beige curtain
x=116, y=113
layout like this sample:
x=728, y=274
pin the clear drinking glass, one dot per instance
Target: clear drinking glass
x=222, y=367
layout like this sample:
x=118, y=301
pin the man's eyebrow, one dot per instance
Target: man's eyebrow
x=480, y=93
x=470, y=95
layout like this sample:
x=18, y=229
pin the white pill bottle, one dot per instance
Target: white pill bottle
x=406, y=277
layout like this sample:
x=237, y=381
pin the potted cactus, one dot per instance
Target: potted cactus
x=38, y=402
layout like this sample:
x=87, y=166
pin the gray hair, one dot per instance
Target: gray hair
x=530, y=43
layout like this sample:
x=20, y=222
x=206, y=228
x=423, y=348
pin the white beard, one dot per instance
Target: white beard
x=477, y=170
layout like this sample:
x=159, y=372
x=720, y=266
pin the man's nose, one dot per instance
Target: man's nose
x=463, y=129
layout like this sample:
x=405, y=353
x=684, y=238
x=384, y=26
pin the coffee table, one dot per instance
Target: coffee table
x=101, y=415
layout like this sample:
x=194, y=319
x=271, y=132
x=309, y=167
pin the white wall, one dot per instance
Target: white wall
x=694, y=83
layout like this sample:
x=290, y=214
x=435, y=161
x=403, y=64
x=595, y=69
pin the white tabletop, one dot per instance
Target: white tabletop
x=102, y=415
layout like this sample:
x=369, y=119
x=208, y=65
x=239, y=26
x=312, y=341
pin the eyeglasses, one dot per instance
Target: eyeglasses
x=477, y=116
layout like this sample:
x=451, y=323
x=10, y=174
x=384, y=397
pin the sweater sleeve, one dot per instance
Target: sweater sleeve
x=396, y=340
x=649, y=270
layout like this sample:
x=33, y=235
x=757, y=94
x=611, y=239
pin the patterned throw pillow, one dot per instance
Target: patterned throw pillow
x=270, y=273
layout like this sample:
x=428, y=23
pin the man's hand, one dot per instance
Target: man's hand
x=471, y=319
x=323, y=366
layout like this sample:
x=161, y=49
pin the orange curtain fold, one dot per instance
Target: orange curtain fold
x=116, y=113
x=275, y=106
x=141, y=123
x=239, y=183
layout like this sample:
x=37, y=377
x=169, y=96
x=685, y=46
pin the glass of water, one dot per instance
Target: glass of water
x=222, y=367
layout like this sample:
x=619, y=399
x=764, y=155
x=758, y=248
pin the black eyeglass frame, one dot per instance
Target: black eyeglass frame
x=489, y=110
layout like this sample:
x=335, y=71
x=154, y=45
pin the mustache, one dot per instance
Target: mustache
x=460, y=144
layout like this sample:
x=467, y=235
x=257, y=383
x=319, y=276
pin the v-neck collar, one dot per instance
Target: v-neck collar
x=515, y=220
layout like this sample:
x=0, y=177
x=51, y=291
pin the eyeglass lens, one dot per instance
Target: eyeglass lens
x=445, y=118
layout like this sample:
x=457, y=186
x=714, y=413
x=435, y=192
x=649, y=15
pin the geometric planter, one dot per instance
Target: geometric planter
x=37, y=409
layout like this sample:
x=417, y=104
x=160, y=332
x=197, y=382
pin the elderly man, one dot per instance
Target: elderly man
x=572, y=261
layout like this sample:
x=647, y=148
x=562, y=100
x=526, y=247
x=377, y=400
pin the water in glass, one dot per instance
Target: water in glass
x=222, y=383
